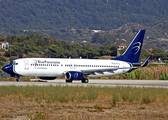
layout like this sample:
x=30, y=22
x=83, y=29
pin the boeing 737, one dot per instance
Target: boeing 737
x=79, y=69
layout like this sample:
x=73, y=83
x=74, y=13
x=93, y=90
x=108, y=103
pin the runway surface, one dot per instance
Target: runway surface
x=95, y=82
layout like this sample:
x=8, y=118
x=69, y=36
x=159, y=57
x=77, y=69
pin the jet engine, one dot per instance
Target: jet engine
x=73, y=75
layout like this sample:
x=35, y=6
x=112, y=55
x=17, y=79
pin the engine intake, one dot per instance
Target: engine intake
x=73, y=75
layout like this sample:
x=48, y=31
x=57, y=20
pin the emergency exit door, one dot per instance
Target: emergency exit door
x=26, y=65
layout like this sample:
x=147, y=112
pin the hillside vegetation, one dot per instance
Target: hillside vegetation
x=74, y=21
x=156, y=35
x=36, y=45
x=86, y=14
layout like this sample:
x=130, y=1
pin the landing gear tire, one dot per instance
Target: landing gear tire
x=68, y=81
x=18, y=80
x=85, y=81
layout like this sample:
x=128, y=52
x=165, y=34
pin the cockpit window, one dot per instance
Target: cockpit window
x=11, y=62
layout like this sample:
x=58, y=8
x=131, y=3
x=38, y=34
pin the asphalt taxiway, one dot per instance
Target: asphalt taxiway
x=93, y=82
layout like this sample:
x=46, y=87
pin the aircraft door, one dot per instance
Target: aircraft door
x=26, y=64
x=124, y=65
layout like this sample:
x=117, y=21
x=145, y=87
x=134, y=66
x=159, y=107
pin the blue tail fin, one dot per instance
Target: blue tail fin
x=132, y=53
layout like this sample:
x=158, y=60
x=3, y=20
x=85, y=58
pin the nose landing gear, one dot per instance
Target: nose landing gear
x=18, y=79
x=16, y=76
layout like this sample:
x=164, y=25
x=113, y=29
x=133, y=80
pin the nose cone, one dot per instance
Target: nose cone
x=8, y=69
x=5, y=68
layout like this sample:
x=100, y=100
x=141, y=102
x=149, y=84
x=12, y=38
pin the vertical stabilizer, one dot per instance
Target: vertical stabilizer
x=132, y=53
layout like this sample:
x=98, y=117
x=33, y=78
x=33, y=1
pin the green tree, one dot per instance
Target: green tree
x=2, y=60
x=56, y=51
x=158, y=53
x=144, y=54
x=10, y=52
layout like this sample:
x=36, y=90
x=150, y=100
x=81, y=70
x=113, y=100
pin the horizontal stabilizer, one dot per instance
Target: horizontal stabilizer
x=146, y=62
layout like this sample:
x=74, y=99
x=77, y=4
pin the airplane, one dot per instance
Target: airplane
x=79, y=69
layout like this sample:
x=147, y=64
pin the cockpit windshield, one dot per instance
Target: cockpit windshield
x=13, y=63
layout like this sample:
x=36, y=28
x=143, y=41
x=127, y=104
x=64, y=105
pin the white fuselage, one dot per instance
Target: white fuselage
x=56, y=67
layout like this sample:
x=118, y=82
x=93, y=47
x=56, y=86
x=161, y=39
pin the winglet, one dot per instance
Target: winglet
x=146, y=62
x=132, y=53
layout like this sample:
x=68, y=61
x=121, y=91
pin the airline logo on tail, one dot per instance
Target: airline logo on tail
x=137, y=47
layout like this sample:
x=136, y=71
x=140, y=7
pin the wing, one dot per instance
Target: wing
x=92, y=71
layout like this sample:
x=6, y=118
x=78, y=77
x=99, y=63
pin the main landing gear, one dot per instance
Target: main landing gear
x=84, y=80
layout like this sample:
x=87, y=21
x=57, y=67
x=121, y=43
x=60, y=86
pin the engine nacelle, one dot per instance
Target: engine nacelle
x=47, y=78
x=73, y=75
